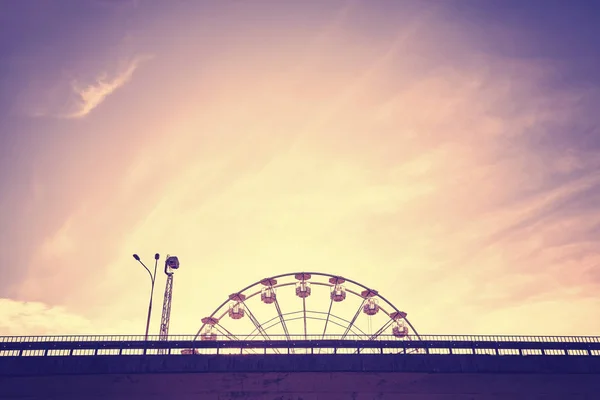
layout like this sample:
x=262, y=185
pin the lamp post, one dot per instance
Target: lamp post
x=152, y=280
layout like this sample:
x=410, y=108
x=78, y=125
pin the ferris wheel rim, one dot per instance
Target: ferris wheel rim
x=304, y=273
x=277, y=286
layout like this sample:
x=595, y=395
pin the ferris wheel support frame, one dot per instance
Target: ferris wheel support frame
x=171, y=264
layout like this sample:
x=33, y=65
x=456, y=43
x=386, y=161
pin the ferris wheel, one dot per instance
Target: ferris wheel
x=306, y=305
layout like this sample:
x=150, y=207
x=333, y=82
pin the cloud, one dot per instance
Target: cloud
x=28, y=318
x=91, y=95
x=76, y=92
x=35, y=318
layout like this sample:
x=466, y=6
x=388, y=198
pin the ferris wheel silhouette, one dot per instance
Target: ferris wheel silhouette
x=306, y=305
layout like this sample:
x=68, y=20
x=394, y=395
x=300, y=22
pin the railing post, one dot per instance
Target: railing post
x=488, y=344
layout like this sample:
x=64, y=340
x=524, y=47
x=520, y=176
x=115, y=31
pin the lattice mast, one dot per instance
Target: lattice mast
x=171, y=264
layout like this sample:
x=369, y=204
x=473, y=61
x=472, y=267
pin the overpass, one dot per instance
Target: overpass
x=424, y=367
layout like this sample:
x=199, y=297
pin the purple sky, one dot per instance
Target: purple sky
x=458, y=136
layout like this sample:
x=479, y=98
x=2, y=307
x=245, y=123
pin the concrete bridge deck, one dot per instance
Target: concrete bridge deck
x=306, y=377
x=559, y=370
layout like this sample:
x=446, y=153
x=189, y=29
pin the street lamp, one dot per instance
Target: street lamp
x=152, y=279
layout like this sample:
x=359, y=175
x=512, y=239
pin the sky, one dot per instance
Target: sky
x=445, y=153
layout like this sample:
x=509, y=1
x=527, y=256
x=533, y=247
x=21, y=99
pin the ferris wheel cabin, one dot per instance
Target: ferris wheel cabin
x=338, y=292
x=267, y=294
x=236, y=308
x=303, y=286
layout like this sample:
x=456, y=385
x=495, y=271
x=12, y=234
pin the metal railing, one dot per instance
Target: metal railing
x=445, y=338
x=300, y=344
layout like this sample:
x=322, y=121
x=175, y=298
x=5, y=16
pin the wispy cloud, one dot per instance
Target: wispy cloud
x=91, y=95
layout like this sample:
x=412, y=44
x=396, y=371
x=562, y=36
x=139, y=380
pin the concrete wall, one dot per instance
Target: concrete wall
x=298, y=377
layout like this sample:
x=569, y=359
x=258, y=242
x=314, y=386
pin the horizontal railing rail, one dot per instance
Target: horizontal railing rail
x=178, y=344
x=446, y=338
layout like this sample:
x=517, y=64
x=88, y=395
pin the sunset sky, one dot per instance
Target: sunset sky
x=443, y=152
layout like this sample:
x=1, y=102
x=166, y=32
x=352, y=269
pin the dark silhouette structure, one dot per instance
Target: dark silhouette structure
x=432, y=367
x=338, y=359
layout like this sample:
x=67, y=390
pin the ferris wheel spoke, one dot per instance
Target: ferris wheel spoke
x=267, y=324
x=327, y=319
x=304, y=313
x=281, y=319
x=256, y=323
x=227, y=334
x=355, y=330
x=223, y=331
x=381, y=330
x=353, y=319
x=255, y=332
